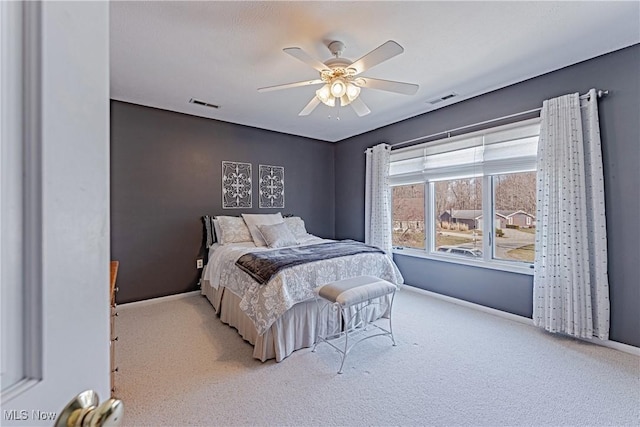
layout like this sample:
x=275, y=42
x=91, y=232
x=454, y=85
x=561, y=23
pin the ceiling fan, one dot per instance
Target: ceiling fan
x=341, y=77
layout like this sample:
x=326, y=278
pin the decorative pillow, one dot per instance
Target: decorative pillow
x=296, y=225
x=254, y=220
x=277, y=235
x=233, y=230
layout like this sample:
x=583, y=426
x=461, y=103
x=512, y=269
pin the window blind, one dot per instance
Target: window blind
x=502, y=149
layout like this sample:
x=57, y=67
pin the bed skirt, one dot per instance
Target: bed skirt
x=294, y=330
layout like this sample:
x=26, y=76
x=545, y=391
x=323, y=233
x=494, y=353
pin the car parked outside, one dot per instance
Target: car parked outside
x=460, y=250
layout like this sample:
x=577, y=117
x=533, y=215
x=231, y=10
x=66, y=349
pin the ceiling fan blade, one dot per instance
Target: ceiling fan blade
x=310, y=107
x=388, y=85
x=303, y=56
x=380, y=54
x=290, y=85
x=360, y=107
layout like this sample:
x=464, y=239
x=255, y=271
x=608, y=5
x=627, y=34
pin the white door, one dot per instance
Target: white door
x=54, y=206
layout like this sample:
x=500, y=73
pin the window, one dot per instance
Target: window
x=458, y=223
x=408, y=216
x=470, y=198
x=515, y=199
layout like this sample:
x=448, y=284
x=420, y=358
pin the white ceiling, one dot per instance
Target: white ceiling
x=164, y=53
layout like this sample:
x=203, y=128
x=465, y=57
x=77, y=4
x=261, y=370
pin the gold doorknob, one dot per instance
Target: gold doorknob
x=84, y=411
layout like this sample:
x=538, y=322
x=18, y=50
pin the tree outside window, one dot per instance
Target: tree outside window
x=408, y=216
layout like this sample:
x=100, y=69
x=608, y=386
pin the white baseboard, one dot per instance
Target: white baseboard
x=615, y=345
x=521, y=319
x=142, y=303
x=495, y=312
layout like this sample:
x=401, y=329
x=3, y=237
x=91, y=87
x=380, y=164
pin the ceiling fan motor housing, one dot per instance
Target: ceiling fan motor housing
x=336, y=48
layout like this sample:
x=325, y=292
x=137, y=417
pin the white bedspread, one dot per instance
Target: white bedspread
x=263, y=304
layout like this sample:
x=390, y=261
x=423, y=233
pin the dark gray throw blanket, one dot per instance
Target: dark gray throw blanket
x=262, y=266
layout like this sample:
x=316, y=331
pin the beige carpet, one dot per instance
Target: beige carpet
x=179, y=365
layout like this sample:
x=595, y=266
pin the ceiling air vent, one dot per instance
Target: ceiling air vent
x=204, y=104
x=442, y=98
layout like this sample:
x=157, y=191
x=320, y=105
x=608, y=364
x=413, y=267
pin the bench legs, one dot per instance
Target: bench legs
x=353, y=323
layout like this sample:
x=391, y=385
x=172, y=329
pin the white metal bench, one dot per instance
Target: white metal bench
x=352, y=297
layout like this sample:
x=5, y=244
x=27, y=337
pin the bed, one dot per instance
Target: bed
x=280, y=316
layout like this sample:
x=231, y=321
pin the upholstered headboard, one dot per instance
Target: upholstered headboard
x=209, y=233
x=208, y=239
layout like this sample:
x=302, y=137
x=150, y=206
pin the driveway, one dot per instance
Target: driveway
x=512, y=239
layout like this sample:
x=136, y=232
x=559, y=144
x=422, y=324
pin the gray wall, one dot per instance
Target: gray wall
x=166, y=174
x=620, y=129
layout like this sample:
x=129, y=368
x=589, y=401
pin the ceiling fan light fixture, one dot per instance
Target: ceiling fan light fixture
x=352, y=91
x=338, y=87
x=324, y=95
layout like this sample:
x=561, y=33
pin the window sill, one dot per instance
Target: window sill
x=494, y=265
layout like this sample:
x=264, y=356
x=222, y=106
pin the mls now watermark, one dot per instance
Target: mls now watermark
x=33, y=415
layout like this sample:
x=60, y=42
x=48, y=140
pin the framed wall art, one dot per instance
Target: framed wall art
x=236, y=185
x=271, y=186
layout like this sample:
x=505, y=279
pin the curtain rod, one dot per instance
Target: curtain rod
x=600, y=93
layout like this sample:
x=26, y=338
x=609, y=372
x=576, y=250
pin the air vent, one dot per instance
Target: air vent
x=204, y=104
x=442, y=98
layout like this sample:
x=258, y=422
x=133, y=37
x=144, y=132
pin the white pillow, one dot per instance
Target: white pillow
x=254, y=220
x=277, y=235
x=233, y=230
x=296, y=225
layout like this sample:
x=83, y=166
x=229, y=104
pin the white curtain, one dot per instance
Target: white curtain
x=570, y=285
x=377, y=212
